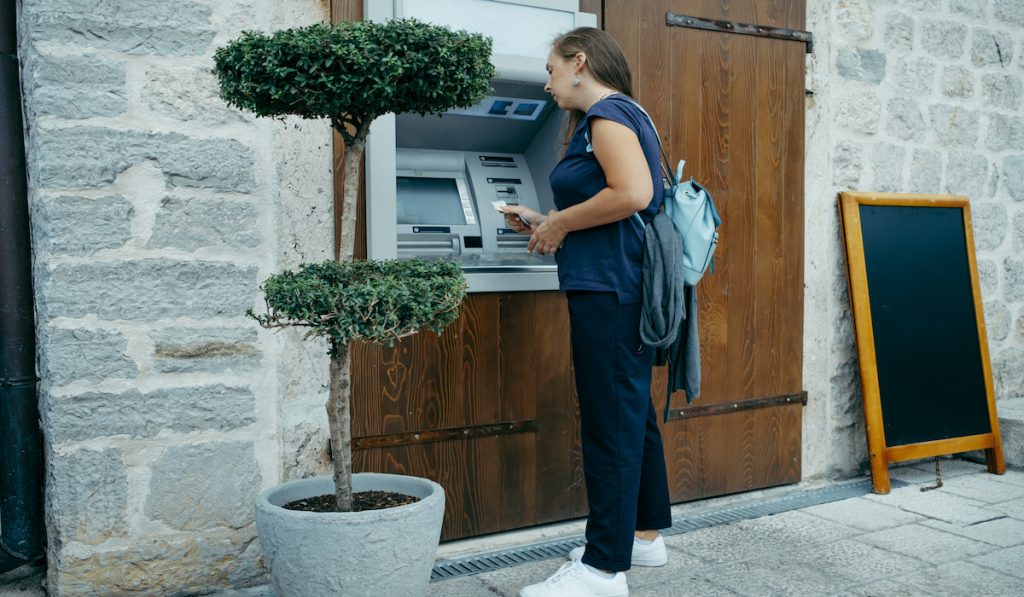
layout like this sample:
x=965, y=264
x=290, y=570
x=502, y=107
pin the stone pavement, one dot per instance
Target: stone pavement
x=964, y=539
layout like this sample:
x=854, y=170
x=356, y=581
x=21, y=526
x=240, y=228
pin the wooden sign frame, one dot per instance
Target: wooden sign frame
x=880, y=453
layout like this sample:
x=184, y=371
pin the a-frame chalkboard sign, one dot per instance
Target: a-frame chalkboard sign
x=924, y=364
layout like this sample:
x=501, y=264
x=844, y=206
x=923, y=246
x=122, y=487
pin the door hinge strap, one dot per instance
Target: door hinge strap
x=678, y=20
x=440, y=435
x=708, y=410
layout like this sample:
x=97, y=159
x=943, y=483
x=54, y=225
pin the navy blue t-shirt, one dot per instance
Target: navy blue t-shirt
x=608, y=257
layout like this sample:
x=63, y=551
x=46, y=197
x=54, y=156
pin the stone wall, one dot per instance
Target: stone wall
x=920, y=96
x=156, y=211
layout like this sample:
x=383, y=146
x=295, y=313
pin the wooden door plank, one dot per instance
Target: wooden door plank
x=771, y=313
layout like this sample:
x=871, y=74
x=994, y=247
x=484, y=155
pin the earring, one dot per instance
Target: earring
x=575, y=81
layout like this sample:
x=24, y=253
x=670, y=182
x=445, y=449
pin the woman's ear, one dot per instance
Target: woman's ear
x=581, y=61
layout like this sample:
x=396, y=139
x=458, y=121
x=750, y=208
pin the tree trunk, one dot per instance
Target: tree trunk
x=350, y=164
x=339, y=413
x=339, y=418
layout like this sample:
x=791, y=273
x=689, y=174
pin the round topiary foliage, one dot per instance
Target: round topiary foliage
x=380, y=301
x=352, y=72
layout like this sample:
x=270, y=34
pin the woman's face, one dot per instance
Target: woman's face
x=561, y=72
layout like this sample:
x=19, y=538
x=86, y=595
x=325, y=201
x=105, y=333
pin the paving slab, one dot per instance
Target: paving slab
x=1008, y=561
x=1013, y=477
x=951, y=508
x=926, y=543
x=690, y=588
x=885, y=588
x=958, y=579
x=1002, y=532
x=466, y=586
x=750, y=539
x=853, y=562
x=949, y=466
x=773, y=576
x=986, y=487
x=863, y=514
x=1012, y=508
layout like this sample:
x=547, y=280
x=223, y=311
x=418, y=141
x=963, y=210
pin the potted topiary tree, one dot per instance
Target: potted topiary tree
x=352, y=73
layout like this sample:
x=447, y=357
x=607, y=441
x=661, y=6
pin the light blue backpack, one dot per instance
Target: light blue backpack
x=691, y=209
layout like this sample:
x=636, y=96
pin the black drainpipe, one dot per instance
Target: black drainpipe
x=21, y=454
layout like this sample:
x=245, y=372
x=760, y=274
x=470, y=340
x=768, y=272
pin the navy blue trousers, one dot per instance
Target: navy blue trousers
x=623, y=457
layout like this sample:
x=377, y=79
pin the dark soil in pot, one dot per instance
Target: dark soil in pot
x=363, y=500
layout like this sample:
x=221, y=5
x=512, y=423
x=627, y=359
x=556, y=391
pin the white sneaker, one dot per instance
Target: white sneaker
x=650, y=554
x=574, y=580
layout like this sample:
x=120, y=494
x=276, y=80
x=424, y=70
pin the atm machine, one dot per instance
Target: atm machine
x=431, y=180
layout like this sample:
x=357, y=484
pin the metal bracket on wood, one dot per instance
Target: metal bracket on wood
x=440, y=435
x=678, y=20
x=731, y=407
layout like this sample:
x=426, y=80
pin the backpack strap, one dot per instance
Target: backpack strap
x=665, y=164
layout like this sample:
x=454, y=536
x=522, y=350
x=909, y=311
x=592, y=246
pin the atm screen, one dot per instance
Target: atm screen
x=432, y=201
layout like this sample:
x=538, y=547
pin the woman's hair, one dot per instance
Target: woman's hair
x=604, y=58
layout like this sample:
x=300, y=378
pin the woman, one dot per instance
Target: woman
x=610, y=171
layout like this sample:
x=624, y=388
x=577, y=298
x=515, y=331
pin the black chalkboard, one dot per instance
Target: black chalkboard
x=930, y=375
x=924, y=364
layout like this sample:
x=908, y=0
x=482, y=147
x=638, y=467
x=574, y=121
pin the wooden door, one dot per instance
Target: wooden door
x=732, y=106
x=488, y=409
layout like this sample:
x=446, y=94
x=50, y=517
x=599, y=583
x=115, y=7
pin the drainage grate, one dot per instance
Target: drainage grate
x=447, y=569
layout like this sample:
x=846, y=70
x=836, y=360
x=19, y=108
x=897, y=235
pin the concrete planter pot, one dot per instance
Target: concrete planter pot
x=373, y=553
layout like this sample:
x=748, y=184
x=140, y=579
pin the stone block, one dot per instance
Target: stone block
x=1013, y=278
x=1013, y=176
x=847, y=164
x=1018, y=234
x=925, y=171
x=943, y=39
x=858, y=111
x=1001, y=91
x=1008, y=11
x=988, y=275
x=306, y=451
x=67, y=355
x=887, y=160
x=858, y=64
x=146, y=290
x=914, y=77
x=133, y=414
x=957, y=81
x=990, y=223
x=190, y=224
x=1019, y=333
x=160, y=566
x=95, y=156
x=854, y=20
x=188, y=94
x=1005, y=132
x=88, y=495
x=206, y=486
x=80, y=226
x=74, y=86
x=986, y=488
x=905, y=120
x=899, y=31
x=1008, y=372
x=991, y=48
x=131, y=26
x=968, y=8
x=954, y=125
x=966, y=174
x=214, y=350
x=997, y=321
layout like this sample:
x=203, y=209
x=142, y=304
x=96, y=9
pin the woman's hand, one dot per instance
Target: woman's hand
x=513, y=213
x=548, y=235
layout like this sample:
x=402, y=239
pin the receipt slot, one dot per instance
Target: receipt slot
x=431, y=181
